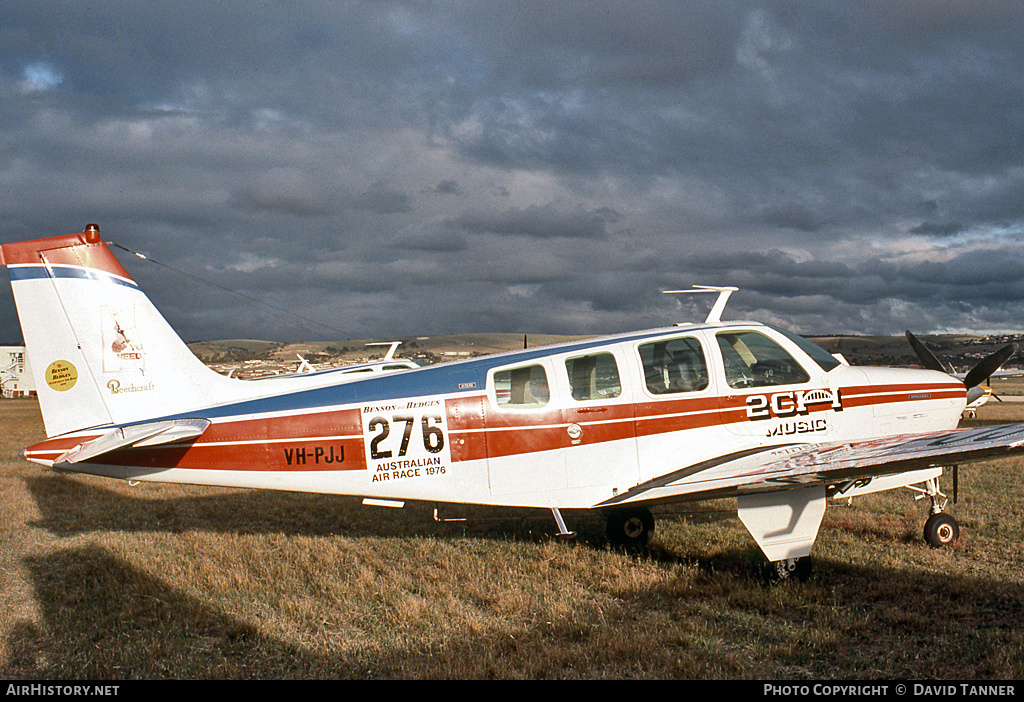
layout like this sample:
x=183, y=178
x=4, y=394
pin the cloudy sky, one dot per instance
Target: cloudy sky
x=396, y=168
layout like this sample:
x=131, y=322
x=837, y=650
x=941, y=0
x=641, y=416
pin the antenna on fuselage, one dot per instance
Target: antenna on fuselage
x=715, y=315
x=390, y=352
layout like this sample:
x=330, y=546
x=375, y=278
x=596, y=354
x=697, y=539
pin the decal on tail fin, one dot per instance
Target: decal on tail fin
x=101, y=352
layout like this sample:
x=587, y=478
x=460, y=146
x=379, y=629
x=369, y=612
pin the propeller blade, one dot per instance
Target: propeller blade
x=928, y=359
x=989, y=365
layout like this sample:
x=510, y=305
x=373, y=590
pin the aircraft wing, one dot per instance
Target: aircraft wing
x=772, y=468
x=137, y=435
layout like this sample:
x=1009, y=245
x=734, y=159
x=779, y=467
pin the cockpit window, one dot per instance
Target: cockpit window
x=753, y=360
x=822, y=357
x=674, y=365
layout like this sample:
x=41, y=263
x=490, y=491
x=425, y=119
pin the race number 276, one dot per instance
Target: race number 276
x=392, y=437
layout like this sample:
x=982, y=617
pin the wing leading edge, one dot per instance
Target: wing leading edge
x=774, y=468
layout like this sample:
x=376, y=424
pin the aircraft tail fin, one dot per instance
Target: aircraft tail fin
x=100, y=351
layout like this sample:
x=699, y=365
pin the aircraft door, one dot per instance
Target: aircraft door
x=524, y=431
x=600, y=433
x=676, y=409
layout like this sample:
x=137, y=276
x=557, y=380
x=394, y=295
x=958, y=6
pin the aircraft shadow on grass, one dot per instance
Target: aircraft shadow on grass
x=71, y=506
x=102, y=618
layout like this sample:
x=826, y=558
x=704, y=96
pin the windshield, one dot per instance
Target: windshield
x=822, y=357
x=753, y=360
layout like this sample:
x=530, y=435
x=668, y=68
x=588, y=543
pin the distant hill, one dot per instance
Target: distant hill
x=430, y=349
x=233, y=349
x=959, y=350
x=962, y=351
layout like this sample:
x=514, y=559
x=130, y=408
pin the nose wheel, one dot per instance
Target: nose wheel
x=941, y=529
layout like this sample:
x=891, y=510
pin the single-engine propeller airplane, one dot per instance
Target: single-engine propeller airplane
x=615, y=424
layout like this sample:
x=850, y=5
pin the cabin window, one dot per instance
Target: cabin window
x=593, y=377
x=753, y=360
x=674, y=365
x=525, y=387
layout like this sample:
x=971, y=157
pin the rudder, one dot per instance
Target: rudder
x=100, y=351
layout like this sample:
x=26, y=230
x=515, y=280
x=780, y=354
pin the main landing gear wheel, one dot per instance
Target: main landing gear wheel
x=941, y=530
x=789, y=569
x=630, y=528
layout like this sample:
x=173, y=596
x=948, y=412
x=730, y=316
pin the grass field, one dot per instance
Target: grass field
x=104, y=580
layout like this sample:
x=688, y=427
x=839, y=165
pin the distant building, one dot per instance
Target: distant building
x=15, y=373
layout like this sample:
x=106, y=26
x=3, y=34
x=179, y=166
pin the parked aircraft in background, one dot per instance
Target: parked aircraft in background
x=971, y=410
x=384, y=365
x=617, y=424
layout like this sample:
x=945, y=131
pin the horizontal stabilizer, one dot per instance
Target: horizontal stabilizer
x=136, y=435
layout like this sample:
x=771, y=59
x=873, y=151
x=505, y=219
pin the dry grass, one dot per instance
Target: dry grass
x=105, y=580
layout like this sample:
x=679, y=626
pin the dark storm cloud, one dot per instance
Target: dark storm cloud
x=938, y=230
x=447, y=187
x=406, y=167
x=538, y=222
x=794, y=216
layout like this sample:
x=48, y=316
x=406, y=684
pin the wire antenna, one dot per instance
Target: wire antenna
x=273, y=309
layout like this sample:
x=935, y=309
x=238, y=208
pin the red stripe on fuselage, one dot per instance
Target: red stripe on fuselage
x=315, y=441
x=676, y=414
x=333, y=440
x=891, y=394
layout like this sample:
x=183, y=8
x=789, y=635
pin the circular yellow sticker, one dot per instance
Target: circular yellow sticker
x=61, y=375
